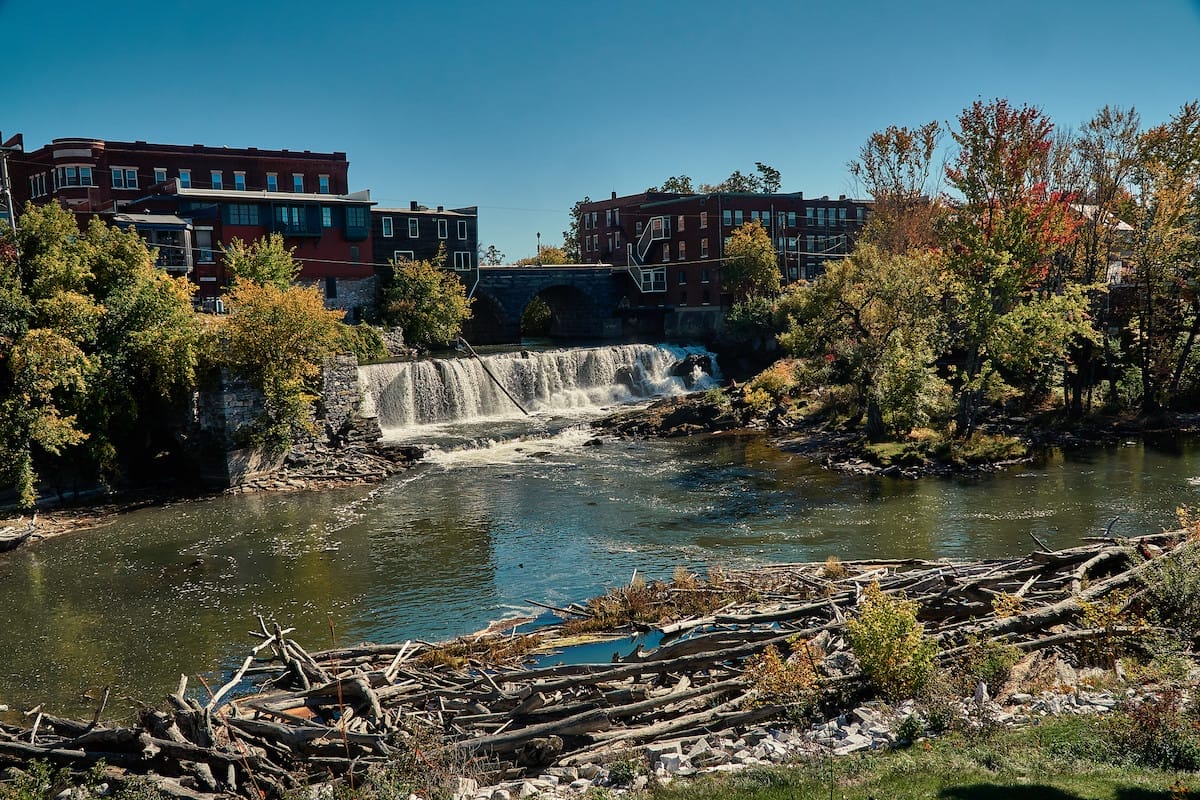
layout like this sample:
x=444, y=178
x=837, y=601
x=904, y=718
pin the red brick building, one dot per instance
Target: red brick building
x=214, y=194
x=674, y=244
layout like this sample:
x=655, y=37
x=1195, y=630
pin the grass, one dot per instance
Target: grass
x=1061, y=760
x=923, y=446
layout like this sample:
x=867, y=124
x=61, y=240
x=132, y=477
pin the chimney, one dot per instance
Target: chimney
x=841, y=197
x=441, y=209
x=412, y=205
x=614, y=195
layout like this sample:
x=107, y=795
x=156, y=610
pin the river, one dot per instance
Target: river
x=470, y=534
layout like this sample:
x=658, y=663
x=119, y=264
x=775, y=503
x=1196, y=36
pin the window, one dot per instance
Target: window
x=326, y=217
x=608, y=217
x=185, y=179
x=704, y=298
x=75, y=176
x=462, y=260
x=703, y=219
x=462, y=230
x=791, y=219
x=680, y=228
x=356, y=217
x=330, y=288
x=217, y=179
x=808, y=216
x=704, y=275
x=682, y=277
x=682, y=251
x=842, y=216
x=810, y=245
x=617, y=238
x=272, y=182
x=442, y=228
x=354, y=253
x=821, y=217
x=683, y=297
x=37, y=185
x=402, y=255
x=666, y=251
x=160, y=175
x=323, y=184
x=616, y=216
x=291, y=218
x=297, y=182
x=610, y=243
x=704, y=248
x=204, y=245
x=860, y=214
x=413, y=229
x=727, y=217
x=639, y=228
x=387, y=227
x=122, y=178
x=738, y=218
x=241, y=214
x=239, y=181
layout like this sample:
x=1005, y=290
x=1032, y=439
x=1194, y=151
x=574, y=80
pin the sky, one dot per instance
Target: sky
x=521, y=107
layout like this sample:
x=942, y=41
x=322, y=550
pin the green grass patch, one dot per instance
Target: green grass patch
x=1061, y=760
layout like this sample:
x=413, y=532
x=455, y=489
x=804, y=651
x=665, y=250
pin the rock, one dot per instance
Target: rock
x=590, y=771
x=580, y=784
x=687, y=368
x=466, y=789
x=527, y=790
x=595, y=441
x=981, y=694
x=502, y=794
x=1065, y=674
x=853, y=743
x=671, y=762
x=655, y=751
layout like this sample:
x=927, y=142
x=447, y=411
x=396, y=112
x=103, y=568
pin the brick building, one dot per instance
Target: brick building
x=418, y=231
x=674, y=244
x=201, y=197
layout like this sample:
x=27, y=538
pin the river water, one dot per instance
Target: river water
x=470, y=534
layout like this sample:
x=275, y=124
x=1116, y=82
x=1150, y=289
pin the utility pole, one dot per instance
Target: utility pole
x=13, y=145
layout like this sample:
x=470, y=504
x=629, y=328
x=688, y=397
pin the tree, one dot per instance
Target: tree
x=769, y=178
x=895, y=167
x=679, y=184
x=278, y=339
x=1004, y=229
x=571, y=234
x=882, y=317
x=264, y=261
x=750, y=268
x=428, y=302
x=548, y=256
x=491, y=257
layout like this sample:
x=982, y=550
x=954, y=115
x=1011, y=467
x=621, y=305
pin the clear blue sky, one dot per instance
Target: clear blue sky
x=522, y=108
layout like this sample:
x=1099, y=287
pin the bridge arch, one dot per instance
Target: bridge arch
x=583, y=301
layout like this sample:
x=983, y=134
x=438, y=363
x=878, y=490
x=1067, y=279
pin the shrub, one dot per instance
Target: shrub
x=1157, y=733
x=363, y=341
x=891, y=645
x=790, y=683
x=987, y=661
x=1172, y=589
x=910, y=728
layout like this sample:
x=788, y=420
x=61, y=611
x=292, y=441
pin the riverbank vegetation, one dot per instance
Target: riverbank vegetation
x=1041, y=271
x=100, y=353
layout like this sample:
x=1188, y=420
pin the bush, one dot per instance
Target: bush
x=891, y=645
x=791, y=683
x=1172, y=589
x=1157, y=733
x=987, y=661
x=365, y=342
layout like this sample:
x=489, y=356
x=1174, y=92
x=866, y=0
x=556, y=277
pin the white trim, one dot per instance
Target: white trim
x=388, y=229
x=461, y=256
x=160, y=171
x=443, y=229
x=323, y=184
x=185, y=176
x=402, y=254
x=414, y=228
x=462, y=230
x=299, y=190
x=216, y=179
x=273, y=176
x=239, y=174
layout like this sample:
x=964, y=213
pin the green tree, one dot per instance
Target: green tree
x=549, y=256
x=769, y=179
x=1002, y=234
x=679, y=184
x=571, y=234
x=429, y=303
x=491, y=257
x=882, y=317
x=264, y=261
x=750, y=267
x=278, y=339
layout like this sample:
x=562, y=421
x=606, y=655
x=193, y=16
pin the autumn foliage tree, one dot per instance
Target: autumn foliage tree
x=750, y=268
x=428, y=302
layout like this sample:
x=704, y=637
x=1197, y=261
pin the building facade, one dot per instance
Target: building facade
x=215, y=195
x=674, y=244
x=418, y=232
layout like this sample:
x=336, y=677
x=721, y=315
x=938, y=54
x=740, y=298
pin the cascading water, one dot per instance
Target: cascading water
x=405, y=394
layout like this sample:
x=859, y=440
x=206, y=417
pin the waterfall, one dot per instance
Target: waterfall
x=439, y=390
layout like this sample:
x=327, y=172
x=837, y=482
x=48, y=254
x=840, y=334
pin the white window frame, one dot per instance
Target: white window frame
x=185, y=179
x=462, y=260
x=239, y=181
x=216, y=179
x=326, y=217
x=386, y=225
x=402, y=255
x=323, y=184
x=210, y=251
x=703, y=219
x=462, y=230
x=443, y=229
x=298, y=182
x=160, y=175
x=272, y=181
x=126, y=174
x=414, y=228
x=704, y=247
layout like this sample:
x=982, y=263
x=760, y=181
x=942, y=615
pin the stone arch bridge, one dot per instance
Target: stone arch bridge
x=583, y=301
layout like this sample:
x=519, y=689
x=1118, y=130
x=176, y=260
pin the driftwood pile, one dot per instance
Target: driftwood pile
x=289, y=718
